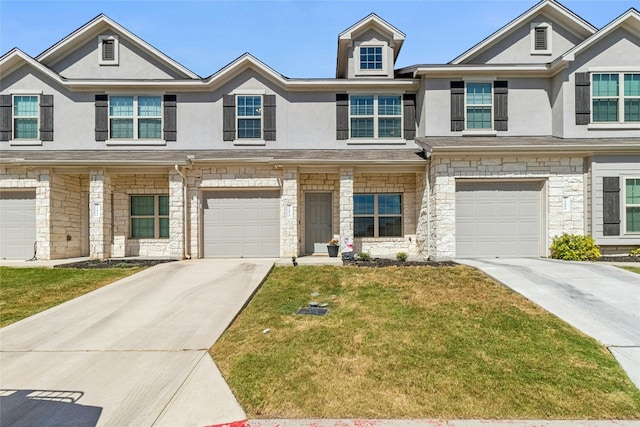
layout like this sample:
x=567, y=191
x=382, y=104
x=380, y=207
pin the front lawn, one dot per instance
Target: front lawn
x=27, y=291
x=414, y=342
x=633, y=269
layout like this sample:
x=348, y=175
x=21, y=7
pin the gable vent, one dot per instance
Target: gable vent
x=541, y=38
x=108, y=50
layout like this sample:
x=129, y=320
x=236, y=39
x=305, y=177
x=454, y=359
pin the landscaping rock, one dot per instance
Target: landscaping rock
x=387, y=262
x=115, y=263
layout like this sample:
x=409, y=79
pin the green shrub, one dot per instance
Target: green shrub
x=402, y=256
x=363, y=256
x=634, y=252
x=574, y=247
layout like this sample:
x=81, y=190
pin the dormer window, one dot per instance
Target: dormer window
x=371, y=58
x=108, y=50
x=541, y=38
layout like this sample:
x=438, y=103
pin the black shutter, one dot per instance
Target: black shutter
x=229, y=117
x=501, y=105
x=409, y=112
x=457, y=106
x=102, y=117
x=583, y=101
x=269, y=117
x=5, y=118
x=46, y=117
x=342, y=116
x=611, y=206
x=170, y=131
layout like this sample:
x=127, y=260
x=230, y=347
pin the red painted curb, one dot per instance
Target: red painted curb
x=243, y=423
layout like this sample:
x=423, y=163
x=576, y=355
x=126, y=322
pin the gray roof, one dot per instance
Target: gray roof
x=483, y=144
x=170, y=157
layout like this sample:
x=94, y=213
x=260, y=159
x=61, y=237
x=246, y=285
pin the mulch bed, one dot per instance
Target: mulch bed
x=623, y=258
x=386, y=262
x=115, y=263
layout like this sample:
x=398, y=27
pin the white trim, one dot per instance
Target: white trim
x=620, y=98
x=613, y=126
x=116, y=49
x=25, y=92
x=136, y=142
x=135, y=139
x=478, y=131
x=250, y=141
x=371, y=72
x=248, y=92
x=375, y=117
x=623, y=214
x=609, y=70
x=25, y=141
x=548, y=35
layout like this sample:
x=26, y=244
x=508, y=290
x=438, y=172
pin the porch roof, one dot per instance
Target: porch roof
x=184, y=157
x=527, y=144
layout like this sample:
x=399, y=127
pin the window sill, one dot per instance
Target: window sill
x=377, y=141
x=249, y=142
x=541, y=53
x=613, y=126
x=381, y=239
x=25, y=143
x=139, y=142
x=481, y=132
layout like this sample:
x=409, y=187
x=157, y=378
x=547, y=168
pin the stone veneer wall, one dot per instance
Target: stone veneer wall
x=38, y=180
x=319, y=183
x=125, y=185
x=229, y=177
x=390, y=183
x=67, y=215
x=564, y=176
x=422, y=213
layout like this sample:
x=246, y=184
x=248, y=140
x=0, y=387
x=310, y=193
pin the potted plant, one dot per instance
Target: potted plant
x=333, y=247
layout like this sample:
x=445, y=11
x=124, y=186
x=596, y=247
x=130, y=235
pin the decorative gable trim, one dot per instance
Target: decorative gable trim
x=108, y=50
x=549, y=7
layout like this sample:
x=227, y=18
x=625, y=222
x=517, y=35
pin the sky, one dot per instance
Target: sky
x=297, y=38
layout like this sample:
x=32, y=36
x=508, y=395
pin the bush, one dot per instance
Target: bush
x=402, y=256
x=634, y=252
x=573, y=247
x=363, y=256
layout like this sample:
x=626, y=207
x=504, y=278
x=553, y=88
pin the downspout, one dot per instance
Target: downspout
x=185, y=250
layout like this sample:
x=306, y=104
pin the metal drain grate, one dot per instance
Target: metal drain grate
x=312, y=311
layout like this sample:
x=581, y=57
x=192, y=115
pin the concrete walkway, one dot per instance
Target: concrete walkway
x=133, y=353
x=602, y=301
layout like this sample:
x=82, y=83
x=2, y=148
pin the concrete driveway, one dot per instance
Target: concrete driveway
x=133, y=353
x=602, y=301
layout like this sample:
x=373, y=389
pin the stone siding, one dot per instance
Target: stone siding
x=124, y=186
x=390, y=183
x=67, y=215
x=564, y=177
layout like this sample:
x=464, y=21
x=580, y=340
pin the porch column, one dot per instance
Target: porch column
x=100, y=222
x=176, y=215
x=442, y=213
x=43, y=214
x=346, y=203
x=289, y=213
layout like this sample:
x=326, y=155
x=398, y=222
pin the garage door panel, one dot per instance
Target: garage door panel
x=17, y=224
x=241, y=224
x=498, y=219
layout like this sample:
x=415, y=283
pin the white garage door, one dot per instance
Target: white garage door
x=241, y=224
x=17, y=224
x=498, y=219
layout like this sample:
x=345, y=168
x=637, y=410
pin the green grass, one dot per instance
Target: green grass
x=27, y=291
x=414, y=342
x=633, y=269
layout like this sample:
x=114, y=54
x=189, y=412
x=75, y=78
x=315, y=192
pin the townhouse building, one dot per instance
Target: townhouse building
x=110, y=148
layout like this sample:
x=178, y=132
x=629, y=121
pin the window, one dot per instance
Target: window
x=371, y=58
x=479, y=105
x=377, y=215
x=149, y=217
x=541, y=38
x=249, y=117
x=135, y=117
x=375, y=116
x=615, y=97
x=632, y=205
x=108, y=50
x=25, y=117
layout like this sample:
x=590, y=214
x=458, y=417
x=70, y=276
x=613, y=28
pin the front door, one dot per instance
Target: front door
x=317, y=222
